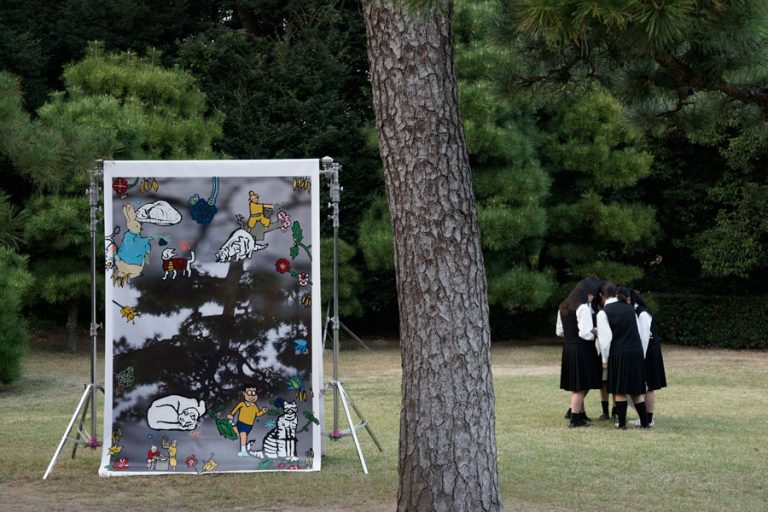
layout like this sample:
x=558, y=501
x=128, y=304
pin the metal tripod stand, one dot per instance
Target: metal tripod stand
x=340, y=395
x=84, y=437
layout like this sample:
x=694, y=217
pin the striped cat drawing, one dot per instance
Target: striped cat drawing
x=281, y=440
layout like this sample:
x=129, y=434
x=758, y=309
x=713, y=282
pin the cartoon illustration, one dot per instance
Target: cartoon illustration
x=304, y=183
x=247, y=411
x=203, y=211
x=121, y=464
x=159, y=212
x=310, y=455
x=310, y=420
x=153, y=456
x=172, y=451
x=191, y=461
x=298, y=238
x=239, y=246
x=281, y=440
x=301, y=347
x=175, y=412
x=116, y=448
x=148, y=184
x=110, y=248
x=306, y=300
x=125, y=380
x=224, y=426
x=284, y=266
x=130, y=257
x=127, y=312
x=210, y=464
x=259, y=213
x=172, y=264
x=296, y=385
x=285, y=220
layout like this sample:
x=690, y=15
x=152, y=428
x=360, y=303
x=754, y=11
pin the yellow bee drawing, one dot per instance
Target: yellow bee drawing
x=148, y=184
x=306, y=300
x=116, y=435
x=210, y=464
x=127, y=312
x=302, y=184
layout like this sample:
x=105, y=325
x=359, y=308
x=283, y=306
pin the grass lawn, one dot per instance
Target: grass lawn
x=707, y=452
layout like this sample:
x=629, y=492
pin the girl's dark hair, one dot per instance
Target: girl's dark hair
x=623, y=293
x=609, y=290
x=590, y=285
x=637, y=299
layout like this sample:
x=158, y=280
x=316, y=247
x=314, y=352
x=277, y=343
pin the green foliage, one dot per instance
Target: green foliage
x=129, y=107
x=509, y=182
x=519, y=289
x=597, y=158
x=33, y=152
x=715, y=321
x=349, y=277
x=375, y=236
x=11, y=223
x=735, y=245
x=14, y=282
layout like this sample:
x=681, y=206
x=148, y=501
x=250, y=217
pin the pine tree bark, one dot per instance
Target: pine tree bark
x=447, y=448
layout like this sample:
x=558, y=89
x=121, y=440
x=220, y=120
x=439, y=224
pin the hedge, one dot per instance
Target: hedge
x=711, y=321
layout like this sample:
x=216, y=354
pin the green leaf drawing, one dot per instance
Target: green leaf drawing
x=298, y=235
x=294, y=252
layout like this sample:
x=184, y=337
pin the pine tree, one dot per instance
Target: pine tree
x=447, y=418
x=114, y=106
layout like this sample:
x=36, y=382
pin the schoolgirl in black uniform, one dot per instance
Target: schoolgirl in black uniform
x=622, y=353
x=580, y=369
x=655, y=375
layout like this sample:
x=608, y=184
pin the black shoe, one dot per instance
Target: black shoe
x=577, y=422
x=585, y=417
x=568, y=414
x=620, y=427
x=603, y=417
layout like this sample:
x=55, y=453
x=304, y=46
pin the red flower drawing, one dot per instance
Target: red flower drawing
x=303, y=279
x=283, y=265
x=191, y=461
x=121, y=463
x=120, y=186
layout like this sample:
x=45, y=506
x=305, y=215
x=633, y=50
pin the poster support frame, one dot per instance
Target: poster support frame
x=331, y=170
x=88, y=438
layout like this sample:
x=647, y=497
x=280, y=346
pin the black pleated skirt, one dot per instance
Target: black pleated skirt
x=580, y=368
x=626, y=371
x=654, y=367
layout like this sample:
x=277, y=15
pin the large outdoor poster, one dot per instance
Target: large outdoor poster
x=213, y=346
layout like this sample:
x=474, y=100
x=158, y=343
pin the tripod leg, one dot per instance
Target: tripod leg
x=365, y=422
x=66, y=432
x=342, y=395
x=82, y=424
x=354, y=336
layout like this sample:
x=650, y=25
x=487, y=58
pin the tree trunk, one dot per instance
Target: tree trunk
x=447, y=455
x=72, y=326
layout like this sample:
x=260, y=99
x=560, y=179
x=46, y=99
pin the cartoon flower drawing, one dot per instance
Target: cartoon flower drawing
x=191, y=461
x=303, y=279
x=283, y=265
x=285, y=219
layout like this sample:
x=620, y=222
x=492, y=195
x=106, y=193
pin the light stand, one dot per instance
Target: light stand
x=83, y=436
x=332, y=170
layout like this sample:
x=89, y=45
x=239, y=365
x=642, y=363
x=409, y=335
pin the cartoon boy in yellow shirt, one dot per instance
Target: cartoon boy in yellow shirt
x=247, y=411
x=256, y=211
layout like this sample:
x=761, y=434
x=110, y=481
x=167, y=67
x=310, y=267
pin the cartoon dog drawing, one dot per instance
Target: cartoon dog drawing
x=239, y=246
x=130, y=257
x=171, y=264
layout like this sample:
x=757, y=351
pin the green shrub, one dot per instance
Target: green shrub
x=14, y=281
x=705, y=320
